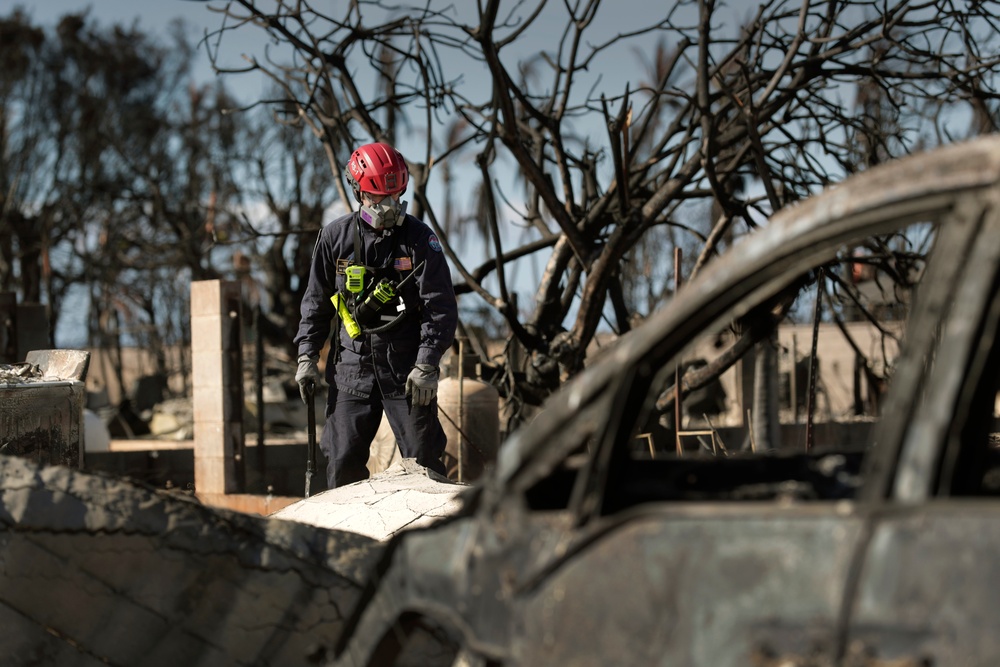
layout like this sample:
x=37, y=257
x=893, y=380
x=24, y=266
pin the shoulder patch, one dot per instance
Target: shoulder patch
x=434, y=243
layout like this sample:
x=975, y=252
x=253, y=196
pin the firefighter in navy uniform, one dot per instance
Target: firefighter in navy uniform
x=380, y=277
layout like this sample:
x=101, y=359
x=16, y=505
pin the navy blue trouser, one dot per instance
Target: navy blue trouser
x=351, y=424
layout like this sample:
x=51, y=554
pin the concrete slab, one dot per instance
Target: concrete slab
x=405, y=495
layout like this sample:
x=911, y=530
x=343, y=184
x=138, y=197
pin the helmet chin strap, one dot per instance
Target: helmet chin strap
x=383, y=215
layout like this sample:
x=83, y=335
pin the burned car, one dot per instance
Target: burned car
x=580, y=548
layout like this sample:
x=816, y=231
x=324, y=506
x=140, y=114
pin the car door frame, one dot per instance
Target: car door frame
x=884, y=619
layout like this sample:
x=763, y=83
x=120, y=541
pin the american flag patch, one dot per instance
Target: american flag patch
x=402, y=264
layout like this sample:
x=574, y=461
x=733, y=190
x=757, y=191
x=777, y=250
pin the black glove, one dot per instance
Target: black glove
x=422, y=384
x=306, y=374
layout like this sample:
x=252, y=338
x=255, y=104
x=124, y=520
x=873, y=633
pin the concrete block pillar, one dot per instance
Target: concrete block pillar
x=217, y=378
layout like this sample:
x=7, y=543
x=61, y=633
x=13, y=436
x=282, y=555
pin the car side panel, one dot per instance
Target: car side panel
x=702, y=585
x=928, y=590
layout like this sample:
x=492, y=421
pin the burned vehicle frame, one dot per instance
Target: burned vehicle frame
x=575, y=551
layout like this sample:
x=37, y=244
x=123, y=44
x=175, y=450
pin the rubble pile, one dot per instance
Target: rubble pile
x=20, y=373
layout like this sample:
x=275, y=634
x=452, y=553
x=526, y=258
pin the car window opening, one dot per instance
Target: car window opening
x=855, y=331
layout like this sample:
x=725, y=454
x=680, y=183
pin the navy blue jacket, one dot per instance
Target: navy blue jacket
x=383, y=358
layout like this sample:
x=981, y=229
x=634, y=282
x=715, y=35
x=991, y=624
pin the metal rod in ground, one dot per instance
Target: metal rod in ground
x=311, y=434
x=461, y=400
x=259, y=390
x=813, y=360
x=677, y=369
x=469, y=441
x=793, y=384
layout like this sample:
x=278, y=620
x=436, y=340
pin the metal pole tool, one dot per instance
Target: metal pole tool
x=311, y=431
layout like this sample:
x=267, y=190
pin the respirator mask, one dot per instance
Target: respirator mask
x=386, y=214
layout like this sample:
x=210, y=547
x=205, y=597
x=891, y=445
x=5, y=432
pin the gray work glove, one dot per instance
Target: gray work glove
x=422, y=384
x=307, y=373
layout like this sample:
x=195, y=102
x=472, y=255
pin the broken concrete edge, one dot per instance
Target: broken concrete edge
x=59, y=499
x=62, y=364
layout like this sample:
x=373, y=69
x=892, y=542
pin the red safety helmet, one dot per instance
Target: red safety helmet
x=377, y=169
